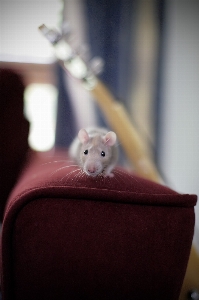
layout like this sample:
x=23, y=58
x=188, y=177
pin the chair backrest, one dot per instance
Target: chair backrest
x=14, y=129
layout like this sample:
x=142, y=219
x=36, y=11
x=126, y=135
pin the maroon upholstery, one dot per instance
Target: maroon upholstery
x=14, y=129
x=69, y=236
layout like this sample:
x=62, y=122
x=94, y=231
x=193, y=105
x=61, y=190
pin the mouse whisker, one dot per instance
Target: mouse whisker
x=79, y=176
x=130, y=175
x=61, y=168
x=119, y=175
x=70, y=173
x=55, y=161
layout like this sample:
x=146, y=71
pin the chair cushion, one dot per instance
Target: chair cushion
x=69, y=236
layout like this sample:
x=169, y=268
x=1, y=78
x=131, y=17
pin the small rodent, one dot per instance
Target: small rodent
x=95, y=151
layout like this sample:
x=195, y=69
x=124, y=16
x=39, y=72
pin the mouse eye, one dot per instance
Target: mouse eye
x=86, y=152
x=103, y=153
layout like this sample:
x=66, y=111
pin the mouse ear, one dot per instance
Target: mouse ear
x=110, y=138
x=83, y=136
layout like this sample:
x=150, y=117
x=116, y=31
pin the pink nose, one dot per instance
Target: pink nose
x=91, y=170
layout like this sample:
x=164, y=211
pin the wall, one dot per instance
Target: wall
x=179, y=155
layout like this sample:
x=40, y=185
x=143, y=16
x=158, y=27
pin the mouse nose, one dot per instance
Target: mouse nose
x=92, y=169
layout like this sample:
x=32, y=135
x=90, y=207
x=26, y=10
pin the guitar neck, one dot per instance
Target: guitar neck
x=130, y=140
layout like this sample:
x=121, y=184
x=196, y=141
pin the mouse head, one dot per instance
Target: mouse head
x=96, y=151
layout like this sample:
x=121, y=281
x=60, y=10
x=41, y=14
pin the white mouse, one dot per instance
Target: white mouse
x=95, y=151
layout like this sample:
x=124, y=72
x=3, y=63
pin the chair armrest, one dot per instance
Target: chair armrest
x=69, y=236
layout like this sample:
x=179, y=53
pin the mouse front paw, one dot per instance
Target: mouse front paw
x=111, y=175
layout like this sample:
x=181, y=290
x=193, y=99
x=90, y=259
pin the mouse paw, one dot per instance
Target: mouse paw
x=111, y=175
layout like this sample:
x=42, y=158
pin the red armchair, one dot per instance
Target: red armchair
x=67, y=236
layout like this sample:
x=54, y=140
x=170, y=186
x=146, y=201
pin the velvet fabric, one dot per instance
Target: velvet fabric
x=14, y=129
x=69, y=236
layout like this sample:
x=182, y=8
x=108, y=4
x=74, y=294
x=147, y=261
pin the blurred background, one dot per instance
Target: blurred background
x=151, y=55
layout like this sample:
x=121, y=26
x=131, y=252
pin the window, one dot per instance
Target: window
x=40, y=109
